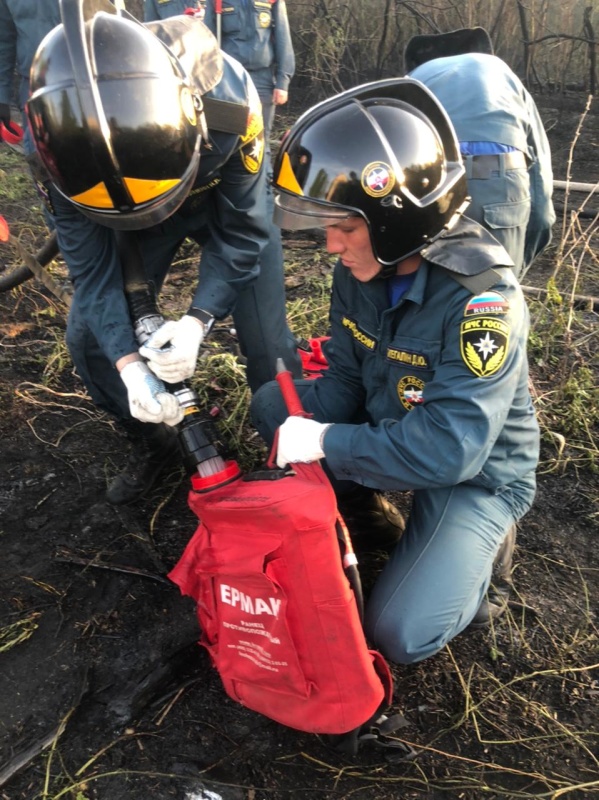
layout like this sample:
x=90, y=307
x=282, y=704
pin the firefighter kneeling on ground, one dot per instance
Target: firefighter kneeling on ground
x=427, y=386
x=149, y=135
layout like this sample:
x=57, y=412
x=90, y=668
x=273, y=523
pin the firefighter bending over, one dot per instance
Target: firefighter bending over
x=151, y=133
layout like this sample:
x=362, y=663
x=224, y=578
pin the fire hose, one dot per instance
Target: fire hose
x=33, y=264
x=201, y=456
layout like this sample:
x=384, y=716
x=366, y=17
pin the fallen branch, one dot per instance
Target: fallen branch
x=576, y=186
x=581, y=301
x=126, y=699
x=583, y=213
x=67, y=558
x=27, y=755
x=42, y=274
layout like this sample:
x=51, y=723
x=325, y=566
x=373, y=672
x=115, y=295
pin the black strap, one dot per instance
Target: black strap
x=224, y=116
x=477, y=283
x=378, y=732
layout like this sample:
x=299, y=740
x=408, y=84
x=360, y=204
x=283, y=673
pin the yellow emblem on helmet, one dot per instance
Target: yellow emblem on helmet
x=286, y=178
x=141, y=191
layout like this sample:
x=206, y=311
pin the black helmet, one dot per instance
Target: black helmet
x=114, y=116
x=428, y=46
x=385, y=151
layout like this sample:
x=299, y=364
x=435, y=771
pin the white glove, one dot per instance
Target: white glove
x=300, y=439
x=148, y=399
x=177, y=362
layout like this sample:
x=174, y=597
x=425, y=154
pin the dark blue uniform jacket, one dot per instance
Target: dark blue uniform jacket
x=442, y=375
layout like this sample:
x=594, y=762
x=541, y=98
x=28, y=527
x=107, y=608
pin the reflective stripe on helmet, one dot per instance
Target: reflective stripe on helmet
x=141, y=191
x=286, y=178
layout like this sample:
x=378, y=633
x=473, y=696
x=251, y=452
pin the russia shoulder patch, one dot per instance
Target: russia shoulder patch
x=487, y=303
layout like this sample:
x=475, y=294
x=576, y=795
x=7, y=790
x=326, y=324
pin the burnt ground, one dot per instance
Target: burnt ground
x=104, y=693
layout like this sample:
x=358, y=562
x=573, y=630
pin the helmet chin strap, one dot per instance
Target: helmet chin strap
x=404, y=267
x=387, y=271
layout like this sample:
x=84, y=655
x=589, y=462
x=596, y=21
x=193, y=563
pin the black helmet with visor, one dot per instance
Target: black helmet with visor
x=114, y=116
x=385, y=151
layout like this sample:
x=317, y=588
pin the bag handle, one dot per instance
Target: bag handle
x=289, y=391
x=292, y=402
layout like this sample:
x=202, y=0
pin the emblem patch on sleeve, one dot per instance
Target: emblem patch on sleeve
x=483, y=345
x=409, y=391
x=252, y=154
x=252, y=150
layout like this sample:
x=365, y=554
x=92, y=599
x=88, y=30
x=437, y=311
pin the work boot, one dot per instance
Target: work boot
x=372, y=521
x=496, y=600
x=154, y=450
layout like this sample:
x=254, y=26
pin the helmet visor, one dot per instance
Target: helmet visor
x=301, y=213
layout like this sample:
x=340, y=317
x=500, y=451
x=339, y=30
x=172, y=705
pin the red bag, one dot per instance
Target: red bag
x=277, y=613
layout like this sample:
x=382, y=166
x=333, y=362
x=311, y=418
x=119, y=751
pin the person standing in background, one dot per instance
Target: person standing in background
x=257, y=34
x=23, y=25
x=502, y=139
x=161, y=9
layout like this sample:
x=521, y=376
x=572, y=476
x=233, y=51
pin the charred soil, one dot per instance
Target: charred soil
x=104, y=692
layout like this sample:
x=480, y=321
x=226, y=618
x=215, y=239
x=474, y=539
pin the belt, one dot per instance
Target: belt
x=482, y=167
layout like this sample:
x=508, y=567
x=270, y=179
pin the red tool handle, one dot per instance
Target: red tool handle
x=289, y=392
x=292, y=401
x=4, y=230
x=218, y=8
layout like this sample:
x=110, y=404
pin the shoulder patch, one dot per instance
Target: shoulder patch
x=483, y=345
x=252, y=150
x=252, y=154
x=255, y=121
x=486, y=303
x=255, y=125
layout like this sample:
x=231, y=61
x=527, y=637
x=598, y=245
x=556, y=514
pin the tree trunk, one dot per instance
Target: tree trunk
x=588, y=30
